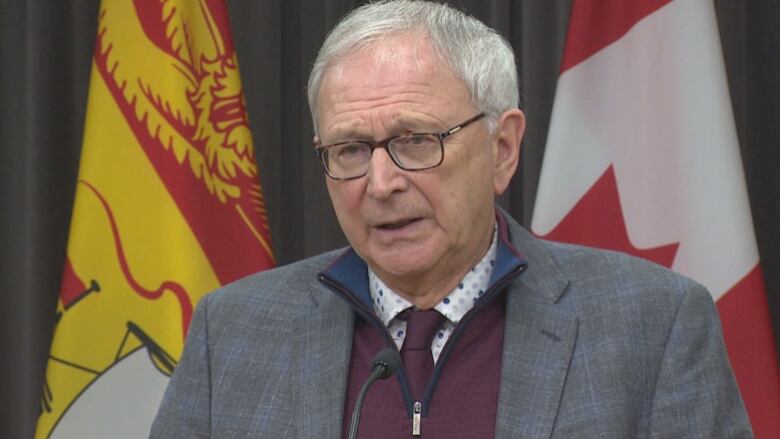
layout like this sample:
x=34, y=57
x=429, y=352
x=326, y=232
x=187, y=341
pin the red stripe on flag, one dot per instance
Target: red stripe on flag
x=231, y=247
x=168, y=286
x=153, y=19
x=747, y=331
x=233, y=234
x=595, y=24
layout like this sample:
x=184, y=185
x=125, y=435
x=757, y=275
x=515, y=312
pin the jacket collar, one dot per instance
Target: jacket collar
x=348, y=274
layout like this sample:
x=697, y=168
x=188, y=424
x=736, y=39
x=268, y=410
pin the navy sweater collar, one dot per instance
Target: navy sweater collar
x=349, y=272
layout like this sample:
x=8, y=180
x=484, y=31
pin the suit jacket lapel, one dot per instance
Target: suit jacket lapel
x=539, y=339
x=325, y=347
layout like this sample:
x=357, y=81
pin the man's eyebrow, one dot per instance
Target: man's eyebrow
x=399, y=125
x=352, y=130
x=405, y=124
x=349, y=133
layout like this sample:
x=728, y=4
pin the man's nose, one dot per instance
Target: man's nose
x=384, y=176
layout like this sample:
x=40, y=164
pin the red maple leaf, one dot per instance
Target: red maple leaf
x=597, y=221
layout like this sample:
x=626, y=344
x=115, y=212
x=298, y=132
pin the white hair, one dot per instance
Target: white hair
x=475, y=53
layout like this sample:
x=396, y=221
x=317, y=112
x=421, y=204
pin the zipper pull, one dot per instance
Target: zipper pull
x=416, y=418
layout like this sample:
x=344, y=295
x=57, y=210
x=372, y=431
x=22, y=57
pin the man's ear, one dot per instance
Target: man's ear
x=510, y=128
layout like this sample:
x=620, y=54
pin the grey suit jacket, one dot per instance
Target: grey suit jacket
x=597, y=345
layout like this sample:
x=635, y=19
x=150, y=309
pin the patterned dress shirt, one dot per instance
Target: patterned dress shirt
x=388, y=305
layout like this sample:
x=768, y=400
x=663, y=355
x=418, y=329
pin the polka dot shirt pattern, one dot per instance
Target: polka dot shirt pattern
x=388, y=305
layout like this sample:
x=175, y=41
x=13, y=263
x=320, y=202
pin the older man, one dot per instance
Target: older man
x=501, y=335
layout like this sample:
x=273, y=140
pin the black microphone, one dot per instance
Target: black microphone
x=384, y=366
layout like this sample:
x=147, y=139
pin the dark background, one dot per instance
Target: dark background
x=45, y=54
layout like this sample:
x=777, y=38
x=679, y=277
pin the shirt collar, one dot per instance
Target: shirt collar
x=388, y=304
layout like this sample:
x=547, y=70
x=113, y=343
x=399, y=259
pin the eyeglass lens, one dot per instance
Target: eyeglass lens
x=410, y=152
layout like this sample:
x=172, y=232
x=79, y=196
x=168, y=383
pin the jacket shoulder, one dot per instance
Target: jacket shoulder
x=595, y=273
x=272, y=296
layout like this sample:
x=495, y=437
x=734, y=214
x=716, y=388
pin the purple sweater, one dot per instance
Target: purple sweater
x=462, y=396
x=461, y=399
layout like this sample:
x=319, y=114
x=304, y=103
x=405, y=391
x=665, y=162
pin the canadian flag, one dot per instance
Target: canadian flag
x=642, y=156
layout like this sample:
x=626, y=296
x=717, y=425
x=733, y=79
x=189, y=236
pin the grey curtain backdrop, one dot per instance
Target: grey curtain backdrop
x=45, y=54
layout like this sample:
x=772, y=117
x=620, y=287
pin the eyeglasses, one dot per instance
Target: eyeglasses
x=411, y=152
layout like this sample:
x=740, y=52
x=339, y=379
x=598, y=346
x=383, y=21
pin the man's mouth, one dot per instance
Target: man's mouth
x=397, y=224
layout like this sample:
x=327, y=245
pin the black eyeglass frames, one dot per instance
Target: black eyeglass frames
x=350, y=159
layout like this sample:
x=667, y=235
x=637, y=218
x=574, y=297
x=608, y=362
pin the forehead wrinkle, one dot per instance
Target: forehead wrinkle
x=352, y=122
x=404, y=48
x=408, y=101
x=348, y=96
x=336, y=79
x=412, y=100
x=403, y=108
x=359, y=128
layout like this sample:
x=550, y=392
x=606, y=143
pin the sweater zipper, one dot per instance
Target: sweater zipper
x=417, y=406
x=416, y=418
x=489, y=295
x=363, y=310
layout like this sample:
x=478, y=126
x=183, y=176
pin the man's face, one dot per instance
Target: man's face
x=417, y=230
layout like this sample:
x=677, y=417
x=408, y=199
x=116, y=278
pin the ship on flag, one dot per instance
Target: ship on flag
x=168, y=207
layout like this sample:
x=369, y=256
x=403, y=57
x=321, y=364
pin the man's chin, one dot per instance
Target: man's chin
x=402, y=266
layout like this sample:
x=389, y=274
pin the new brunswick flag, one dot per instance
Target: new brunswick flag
x=167, y=208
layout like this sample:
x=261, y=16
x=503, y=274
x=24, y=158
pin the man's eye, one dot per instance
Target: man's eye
x=350, y=150
x=415, y=140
